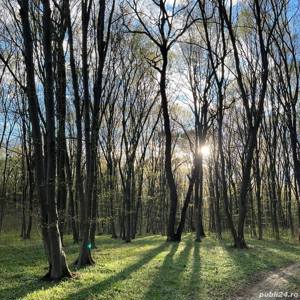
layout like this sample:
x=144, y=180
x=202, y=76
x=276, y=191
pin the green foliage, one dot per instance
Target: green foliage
x=148, y=268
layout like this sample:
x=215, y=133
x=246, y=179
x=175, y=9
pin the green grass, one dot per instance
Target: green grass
x=293, y=284
x=148, y=268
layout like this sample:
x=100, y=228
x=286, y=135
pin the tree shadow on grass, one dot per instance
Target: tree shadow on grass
x=20, y=291
x=107, y=242
x=24, y=255
x=167, y=281
x=21, y=259
x=147, y=240
x=195, y=284
x=107, y=283
x=286, y=245
x=262, y=256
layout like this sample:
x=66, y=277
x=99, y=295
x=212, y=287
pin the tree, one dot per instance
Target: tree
x=165, y=36
x=44, y=172
x=265, y=15
x=92, y=120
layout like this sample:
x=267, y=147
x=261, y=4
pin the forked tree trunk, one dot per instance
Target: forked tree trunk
x=59, y=266
x=51, y=237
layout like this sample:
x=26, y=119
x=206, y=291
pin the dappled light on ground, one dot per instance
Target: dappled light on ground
x=148, y=268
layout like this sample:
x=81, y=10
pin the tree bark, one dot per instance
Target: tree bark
x=171, y=236
x=52, y=243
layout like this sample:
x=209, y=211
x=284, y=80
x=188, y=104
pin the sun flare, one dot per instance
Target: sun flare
x=205, y=150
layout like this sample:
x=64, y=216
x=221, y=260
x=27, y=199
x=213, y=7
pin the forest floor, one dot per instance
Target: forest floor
x=281, y=283
x=146, y=269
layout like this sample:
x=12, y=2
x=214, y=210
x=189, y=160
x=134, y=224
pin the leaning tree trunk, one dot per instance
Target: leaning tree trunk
x=185, y=207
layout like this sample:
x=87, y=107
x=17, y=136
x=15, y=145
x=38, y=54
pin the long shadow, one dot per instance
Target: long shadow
x=20, y=291
x=149, y=240
x=168, y=276
x=263, y=256
x=27, y=259
x=247, y=260
x=107, y=283
x=20, y=259
x=146, y=240
x=287, y=246
x=195, y=285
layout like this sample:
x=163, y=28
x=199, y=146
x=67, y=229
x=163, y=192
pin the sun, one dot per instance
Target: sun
x=205, y=150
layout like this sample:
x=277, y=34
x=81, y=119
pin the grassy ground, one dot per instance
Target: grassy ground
x=148, y=269
x=293, y=284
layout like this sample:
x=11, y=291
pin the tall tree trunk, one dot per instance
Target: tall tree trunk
x=168, y=151
x=222, y=167
x=61, y=136
x=57, y=261
x=74, y=223
x=215, y=197
x=111, y=188
x=79, y=196
x=94, y=213
x=198, y=197
x=249, y=150
x=85, y=257
x=59, y=266
x=258, y=194
x=138, y=204
x=127, y=200
x=253, y=225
